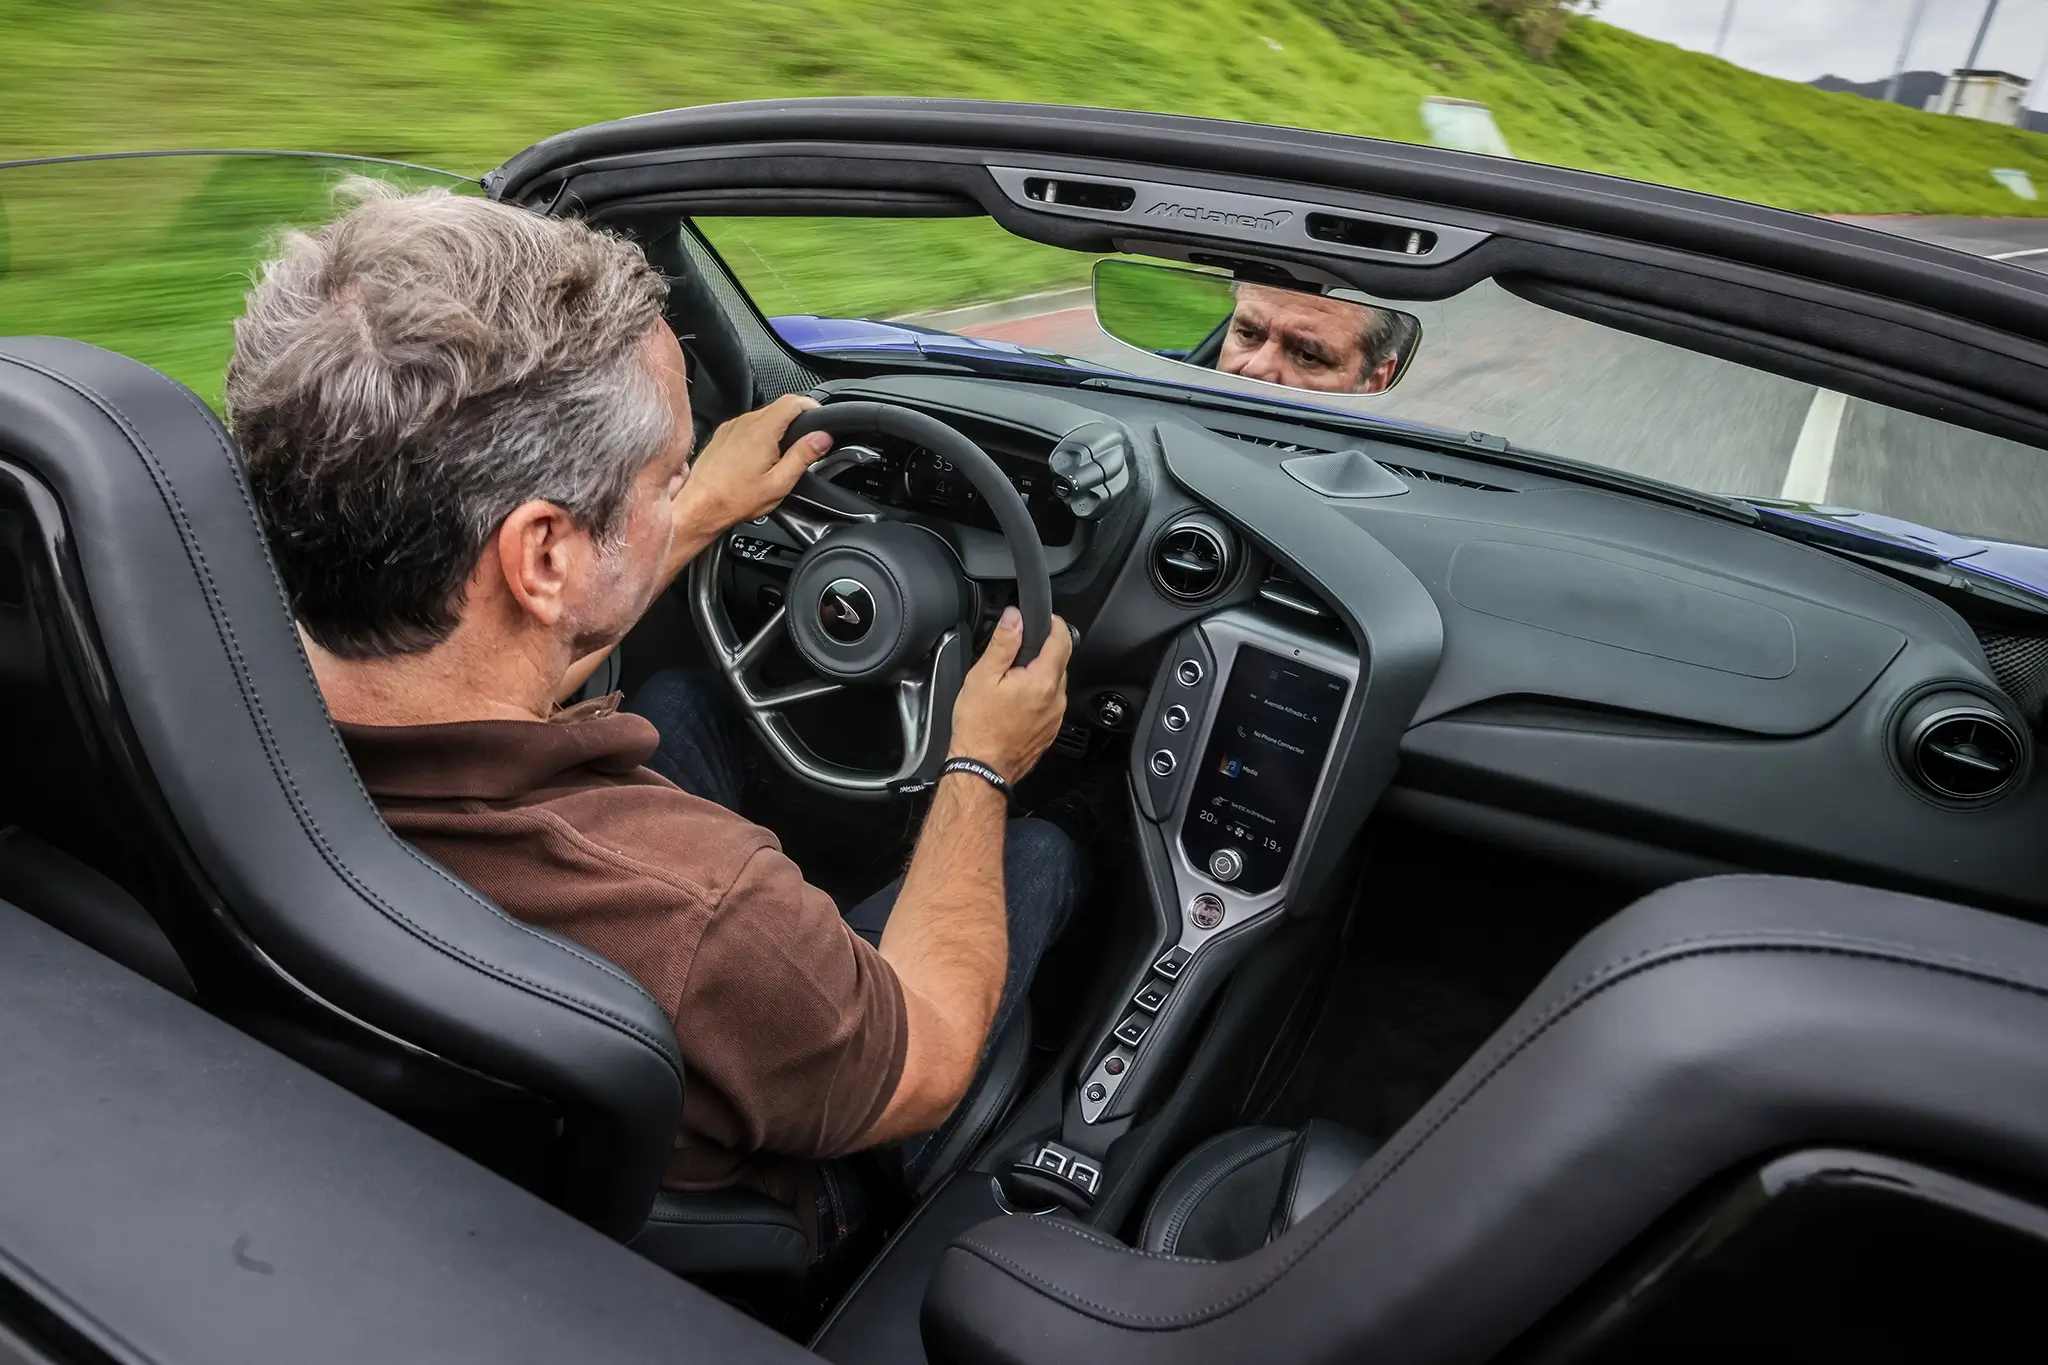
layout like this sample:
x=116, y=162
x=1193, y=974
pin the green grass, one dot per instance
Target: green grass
x=1157, y=309
x=465, y=83
x=158, y=267
x=883, y=267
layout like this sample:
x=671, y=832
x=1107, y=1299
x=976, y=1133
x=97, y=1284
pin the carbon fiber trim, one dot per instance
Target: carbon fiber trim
x=2020, y=663
x=775, y=373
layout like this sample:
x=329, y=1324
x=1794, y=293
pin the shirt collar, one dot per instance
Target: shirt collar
x=498, y=760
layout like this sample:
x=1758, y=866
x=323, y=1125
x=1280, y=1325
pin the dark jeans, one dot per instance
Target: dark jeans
x=707, y=750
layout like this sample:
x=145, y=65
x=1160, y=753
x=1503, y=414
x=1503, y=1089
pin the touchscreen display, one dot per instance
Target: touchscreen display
x=1265, y=751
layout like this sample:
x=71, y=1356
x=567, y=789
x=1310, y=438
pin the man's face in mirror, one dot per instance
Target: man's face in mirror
x=1306, y=341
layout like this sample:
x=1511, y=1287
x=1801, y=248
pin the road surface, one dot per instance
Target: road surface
x=1491, y=362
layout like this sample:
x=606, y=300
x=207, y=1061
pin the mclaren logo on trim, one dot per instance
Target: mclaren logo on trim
x=1259, y=222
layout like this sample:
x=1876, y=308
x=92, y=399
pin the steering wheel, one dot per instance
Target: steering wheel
x=873, y=601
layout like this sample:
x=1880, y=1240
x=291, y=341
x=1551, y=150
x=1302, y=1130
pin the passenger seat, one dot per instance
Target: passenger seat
x=1244, y=1187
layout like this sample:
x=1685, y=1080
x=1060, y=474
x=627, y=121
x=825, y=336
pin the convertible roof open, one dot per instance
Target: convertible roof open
x=1886, y=318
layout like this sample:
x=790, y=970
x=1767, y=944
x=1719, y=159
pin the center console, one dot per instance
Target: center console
x=1229, y=772
x=1236, y=747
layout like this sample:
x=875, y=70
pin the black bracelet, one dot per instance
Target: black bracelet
x=979, y=769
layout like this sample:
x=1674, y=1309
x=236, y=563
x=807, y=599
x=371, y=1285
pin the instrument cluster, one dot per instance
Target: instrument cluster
x=914, y=479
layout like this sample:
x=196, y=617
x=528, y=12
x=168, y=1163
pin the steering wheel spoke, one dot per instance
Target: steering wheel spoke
x=817, y=508
x=914, y=714
x=804, y=691
x=756, y=649
x=802, y=525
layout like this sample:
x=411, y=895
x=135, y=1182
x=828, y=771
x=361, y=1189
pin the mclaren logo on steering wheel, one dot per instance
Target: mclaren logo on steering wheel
x=846, y=610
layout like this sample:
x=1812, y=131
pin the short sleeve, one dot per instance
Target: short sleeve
x=793, y=1023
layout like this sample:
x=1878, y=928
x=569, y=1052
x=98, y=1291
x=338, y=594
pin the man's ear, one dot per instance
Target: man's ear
x=1379, y=376
x=537, y=550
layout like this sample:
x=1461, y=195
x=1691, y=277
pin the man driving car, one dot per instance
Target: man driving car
x=1308, y=341
x=467, y=427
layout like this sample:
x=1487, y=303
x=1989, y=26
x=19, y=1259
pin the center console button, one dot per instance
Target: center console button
x=1151, y=996
x=1225, y=864
x=1206, y=911
x=1171, y=961
x=1176, y=718
x=1163, y=763
x=1096, y=1092
x=1114, y=1066
x=1188, y=672
x=1133, y=1030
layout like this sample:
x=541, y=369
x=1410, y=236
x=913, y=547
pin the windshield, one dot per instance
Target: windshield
x=151, y=255
x=1486, y=361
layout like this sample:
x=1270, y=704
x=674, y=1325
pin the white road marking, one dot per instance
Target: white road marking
x=2015, y=255
x=1813, y=458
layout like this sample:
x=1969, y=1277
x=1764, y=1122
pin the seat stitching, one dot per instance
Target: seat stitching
x=607, y=968
x=1184, y=1208
x=1088, y=1234
x=224, y=631
x=1284, y=1214
x=1587, y=988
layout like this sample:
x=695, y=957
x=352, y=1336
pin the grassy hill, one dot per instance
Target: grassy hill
x=463, y=84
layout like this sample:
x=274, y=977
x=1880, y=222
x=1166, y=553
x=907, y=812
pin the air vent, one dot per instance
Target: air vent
x=1270, y=443
x=1365, y=233
x=1407, y=471
x=1192, y=559
x=1958, y=747
x=1421, y=475
x=1283, y=589
x=1080, y=194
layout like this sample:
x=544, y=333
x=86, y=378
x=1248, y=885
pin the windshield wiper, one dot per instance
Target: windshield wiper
x=1901, y=559
x=1864, y=542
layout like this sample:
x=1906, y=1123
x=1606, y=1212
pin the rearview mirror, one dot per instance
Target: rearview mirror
x=1295, y=338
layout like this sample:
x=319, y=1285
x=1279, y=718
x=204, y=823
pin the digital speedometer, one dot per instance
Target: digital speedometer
x=916, y=480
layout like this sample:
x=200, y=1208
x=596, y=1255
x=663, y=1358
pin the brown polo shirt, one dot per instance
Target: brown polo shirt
x=791, y=1027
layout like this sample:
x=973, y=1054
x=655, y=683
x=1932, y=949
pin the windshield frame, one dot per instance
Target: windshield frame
x=72, y=157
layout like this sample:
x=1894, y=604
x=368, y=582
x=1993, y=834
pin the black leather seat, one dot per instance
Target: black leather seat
x=1242, y=1188
x=297, y=912
x=1704, y=1028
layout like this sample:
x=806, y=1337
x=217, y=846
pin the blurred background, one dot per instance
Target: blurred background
x=1912, y=115
x=462, y=84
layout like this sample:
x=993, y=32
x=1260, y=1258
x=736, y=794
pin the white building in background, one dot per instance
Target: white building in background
x=1994, y=96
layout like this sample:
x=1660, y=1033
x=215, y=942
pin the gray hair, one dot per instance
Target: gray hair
x=407, y=375
x=1387, y=333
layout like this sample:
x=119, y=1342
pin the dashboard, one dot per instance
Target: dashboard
x=1278, y=650
x=1628, y=684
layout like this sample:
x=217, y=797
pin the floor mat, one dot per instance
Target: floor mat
x=1447, y=939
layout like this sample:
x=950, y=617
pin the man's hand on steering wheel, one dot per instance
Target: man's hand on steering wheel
x=1007, y=717
x=742, y=473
